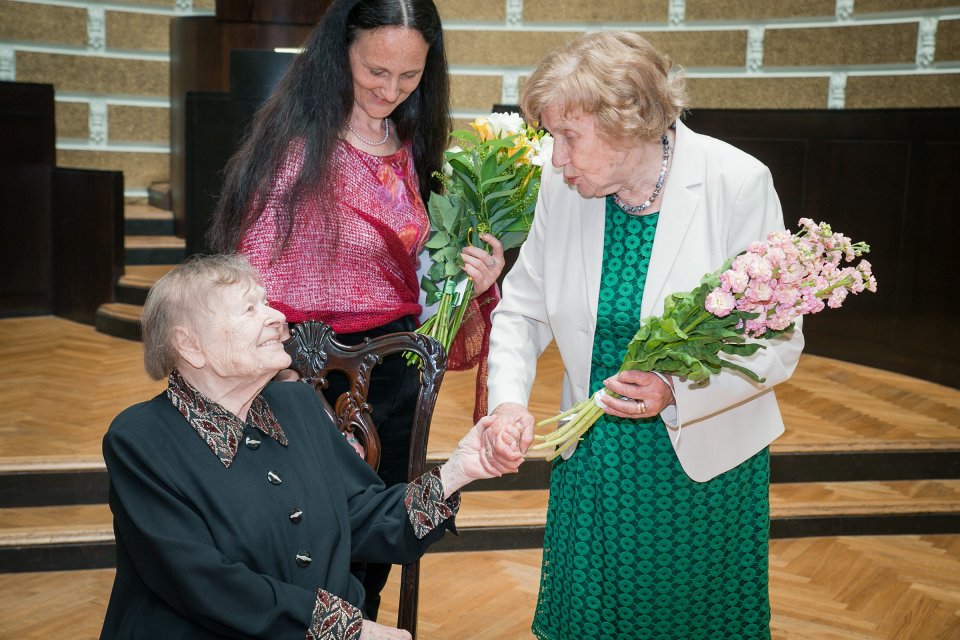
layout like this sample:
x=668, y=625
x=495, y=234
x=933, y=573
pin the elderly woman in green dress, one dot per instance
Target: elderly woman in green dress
x=648, y=534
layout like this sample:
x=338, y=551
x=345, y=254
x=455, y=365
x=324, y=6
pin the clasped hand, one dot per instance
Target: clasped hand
x=475, y=459
x=511, y=433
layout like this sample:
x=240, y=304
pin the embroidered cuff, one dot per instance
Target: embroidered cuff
x=425, y=505
x=334, y=619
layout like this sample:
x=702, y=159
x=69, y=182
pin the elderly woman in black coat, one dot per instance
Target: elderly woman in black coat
x=237, y=504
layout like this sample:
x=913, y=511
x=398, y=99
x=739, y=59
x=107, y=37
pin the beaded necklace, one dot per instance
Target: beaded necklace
x=637, y=208
x=386, y=133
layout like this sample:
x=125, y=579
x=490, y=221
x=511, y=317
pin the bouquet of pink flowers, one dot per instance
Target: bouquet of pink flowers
x=758, y=293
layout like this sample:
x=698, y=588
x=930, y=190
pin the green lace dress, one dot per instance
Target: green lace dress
x=634, y=548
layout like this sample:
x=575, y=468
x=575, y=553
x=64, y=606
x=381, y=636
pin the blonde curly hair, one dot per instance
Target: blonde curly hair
x=631, y=89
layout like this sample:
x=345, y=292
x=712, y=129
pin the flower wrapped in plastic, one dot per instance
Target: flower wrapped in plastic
x=759, y=293
x=491, y=179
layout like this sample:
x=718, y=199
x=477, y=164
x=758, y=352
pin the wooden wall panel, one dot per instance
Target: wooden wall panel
x=887, y=177
x=26, y=156
x=87, y=214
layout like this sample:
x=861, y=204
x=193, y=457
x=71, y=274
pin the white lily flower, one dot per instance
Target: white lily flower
x=505, y=124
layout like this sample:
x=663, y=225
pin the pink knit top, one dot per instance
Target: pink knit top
x=351, y=259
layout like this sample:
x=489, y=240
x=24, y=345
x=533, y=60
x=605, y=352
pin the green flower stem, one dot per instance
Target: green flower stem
x=445, y=323
x=587, y=413
x=843, y=282
x=461, y=312
x=565, y=429
x=591, y=415
x=560, y=416
x=704, y=315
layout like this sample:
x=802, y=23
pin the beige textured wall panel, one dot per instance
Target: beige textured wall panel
x=157, y=3
x=462, y=10
x=586, y=11
x=72, y=119
x=758, y=93
x=702, y=48
x=460, y=123
x=867, y=44
x=139, y=169
x=147, y=31
x=519, y=48
x=948, y=41
x=138, y=124
x=89, y=74
x=204, y=5
x=42, y=23
x=475, y=92
x=691, y=48
x=874, y=6
x=699, y=10
x=903, y=92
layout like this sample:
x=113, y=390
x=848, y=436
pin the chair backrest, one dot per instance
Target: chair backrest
x=315, y=353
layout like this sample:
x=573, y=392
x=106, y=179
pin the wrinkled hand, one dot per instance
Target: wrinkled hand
x=471, y=461
x=484, y=268
x=641, y=390
x=373, y=631
x=511, y=434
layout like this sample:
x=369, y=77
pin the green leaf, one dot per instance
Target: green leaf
x=450, y=217
x=747, y=349
x=520, y=225
x=512, y=239
x=747, y=372
x=488, y=170
x=506, y=193
x=438, y=241
x=428, y=285
x=437, y=271
x=466, y=136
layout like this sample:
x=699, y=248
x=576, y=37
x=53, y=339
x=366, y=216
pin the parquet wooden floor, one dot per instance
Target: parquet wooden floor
x=61, y=383
x=851, y=588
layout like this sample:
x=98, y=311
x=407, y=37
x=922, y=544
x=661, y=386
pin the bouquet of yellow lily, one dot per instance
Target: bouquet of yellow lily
x=759, y=293
x=491, y=179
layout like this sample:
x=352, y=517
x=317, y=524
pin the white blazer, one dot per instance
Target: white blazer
x=717, y=200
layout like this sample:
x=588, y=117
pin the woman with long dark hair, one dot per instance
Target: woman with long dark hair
x=325, y=197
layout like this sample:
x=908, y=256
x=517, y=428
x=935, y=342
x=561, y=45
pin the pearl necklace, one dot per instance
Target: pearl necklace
x=386, y=133
x=637, y=208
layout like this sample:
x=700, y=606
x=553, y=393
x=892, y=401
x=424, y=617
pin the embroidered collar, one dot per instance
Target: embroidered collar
x=220, y=429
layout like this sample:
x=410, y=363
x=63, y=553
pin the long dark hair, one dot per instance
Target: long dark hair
x=312, y=102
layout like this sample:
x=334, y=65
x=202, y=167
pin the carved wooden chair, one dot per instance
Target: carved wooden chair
x=316, y=352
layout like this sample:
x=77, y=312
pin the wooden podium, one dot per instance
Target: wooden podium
x=61, y=249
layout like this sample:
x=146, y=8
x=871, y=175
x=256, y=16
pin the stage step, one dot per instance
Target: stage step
x=81, y=536
x=137, y=280
x=147, y=220
x=84, y=481
x=119, y=319
x=160, y=249
x=150, y=250
x=158, y=195
x=56, y=538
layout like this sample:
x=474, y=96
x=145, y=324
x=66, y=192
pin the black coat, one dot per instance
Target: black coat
x=205, y=551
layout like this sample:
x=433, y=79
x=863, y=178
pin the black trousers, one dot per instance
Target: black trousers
x=394, y=386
